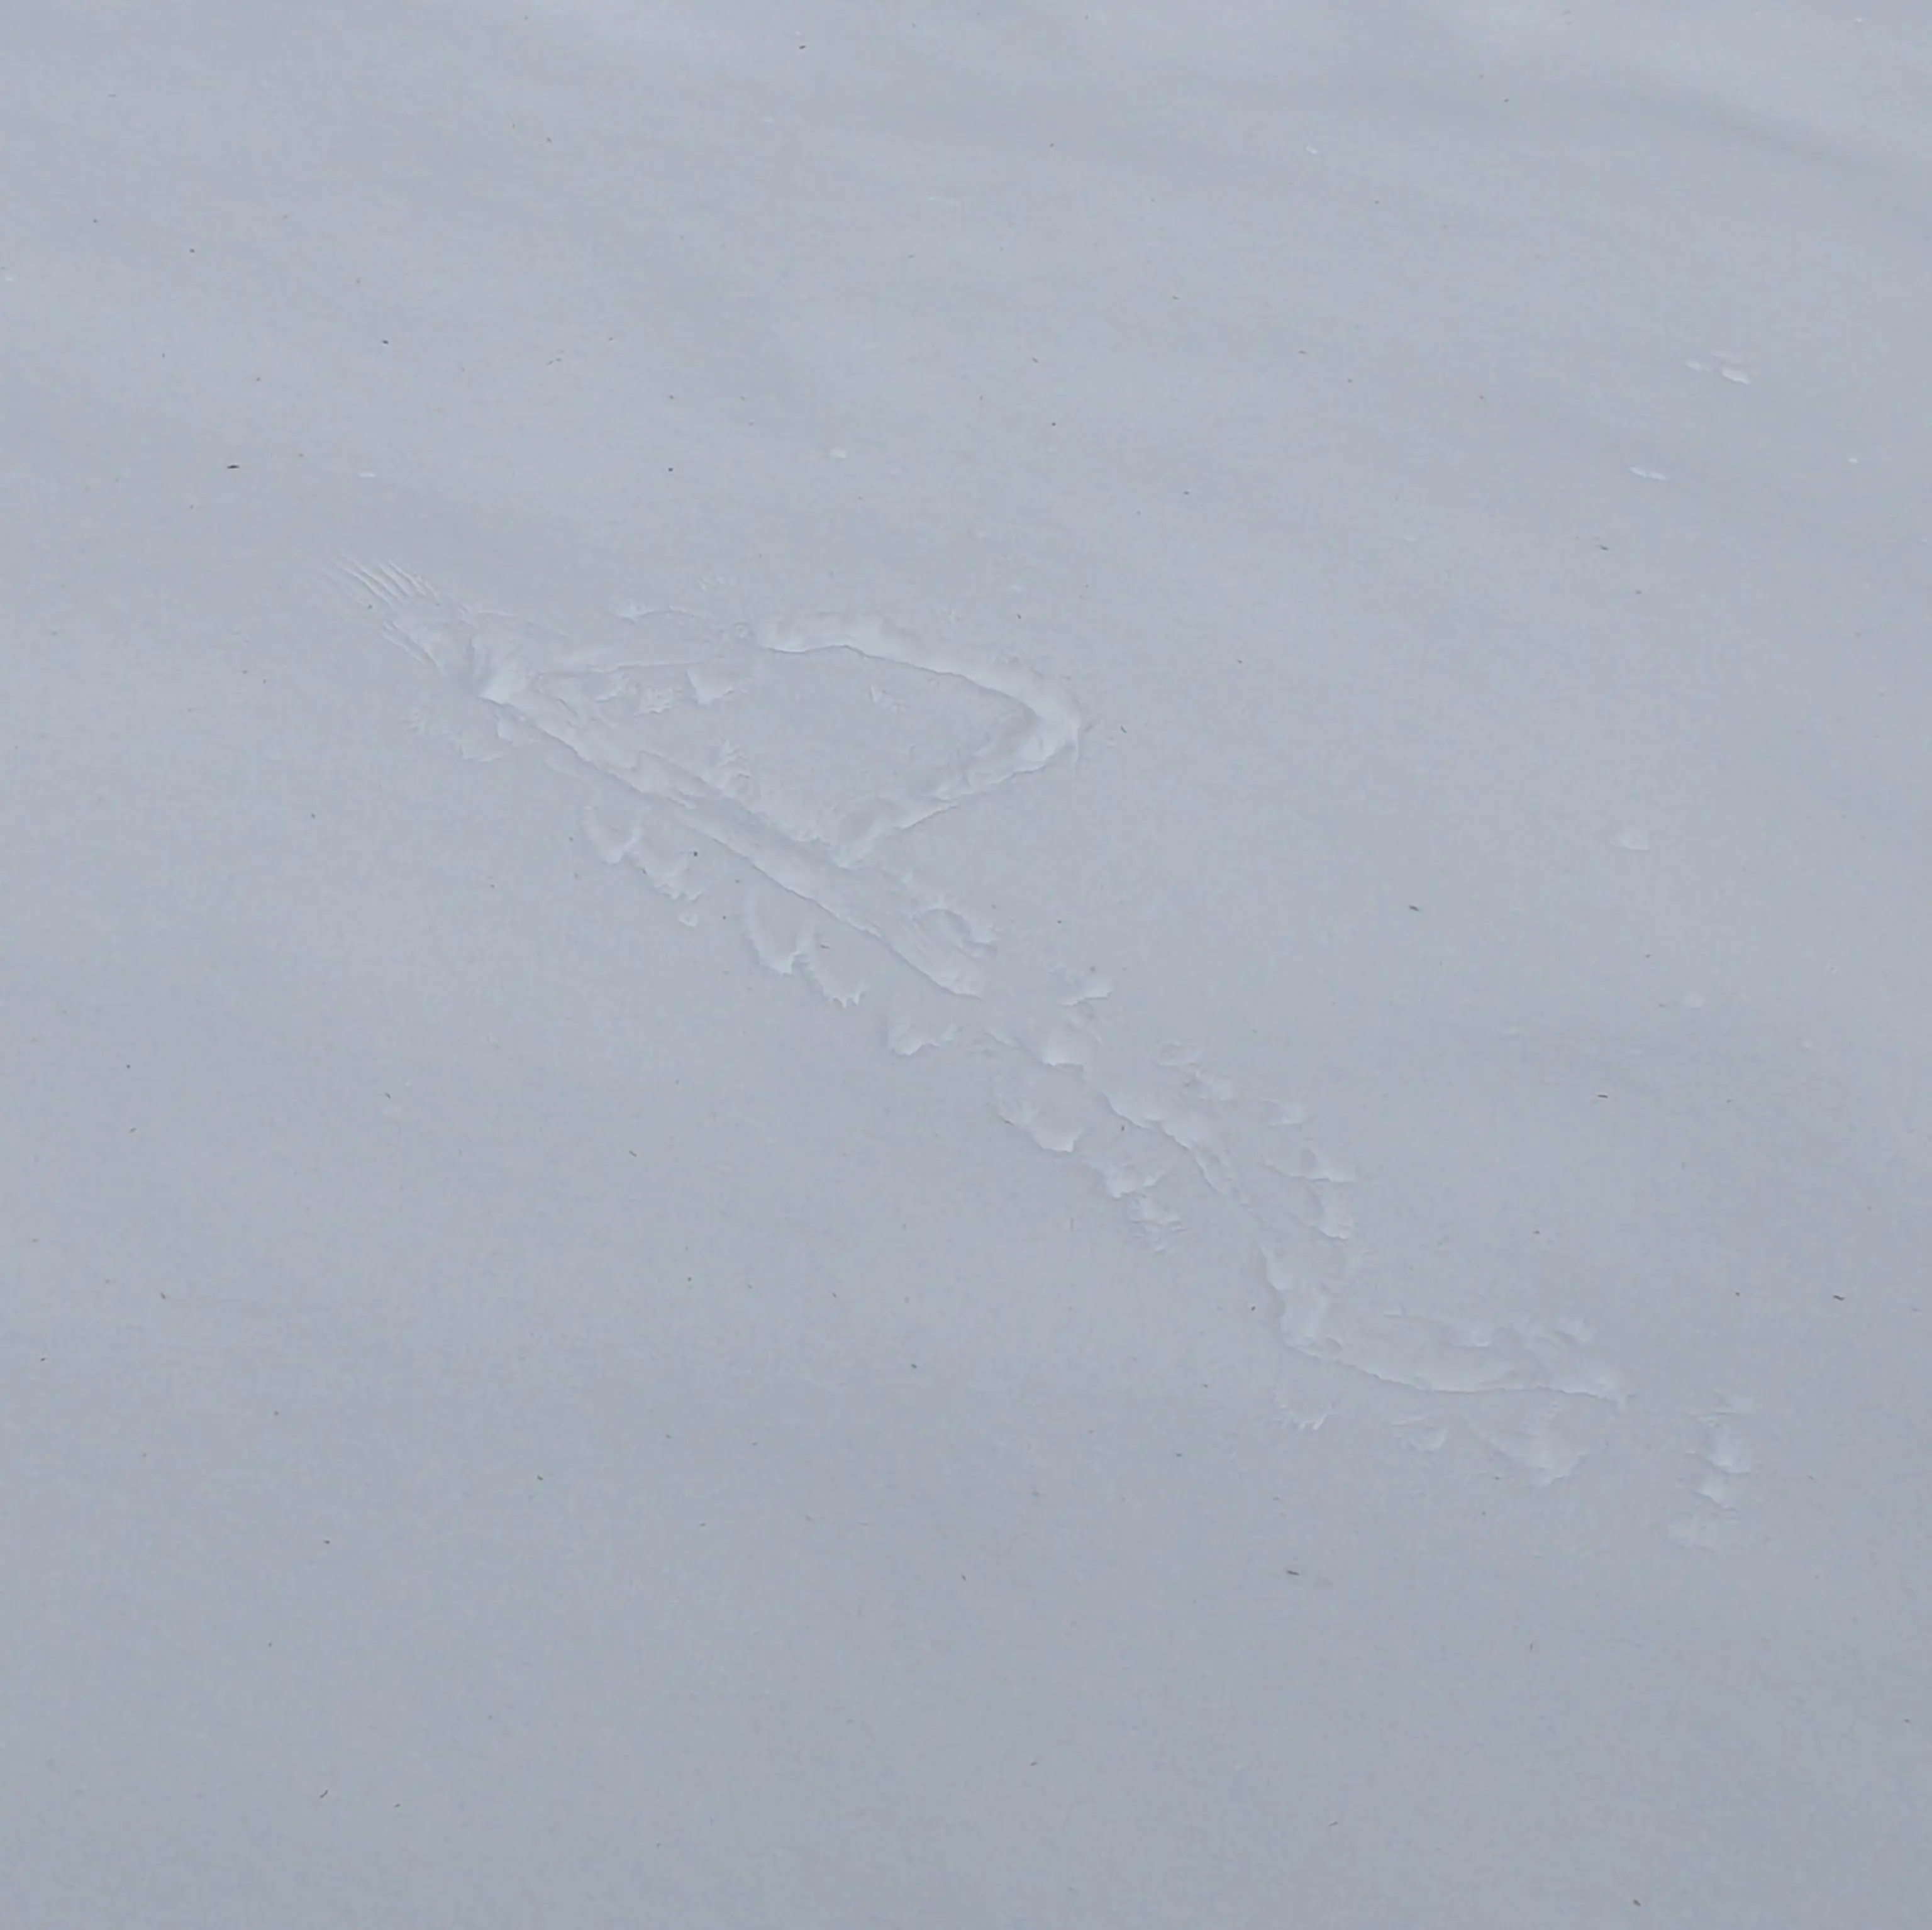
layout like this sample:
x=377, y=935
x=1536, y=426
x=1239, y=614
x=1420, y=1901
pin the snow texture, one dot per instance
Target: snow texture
x=966, y=966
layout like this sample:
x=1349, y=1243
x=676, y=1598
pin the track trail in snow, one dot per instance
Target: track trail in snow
x=774, y=771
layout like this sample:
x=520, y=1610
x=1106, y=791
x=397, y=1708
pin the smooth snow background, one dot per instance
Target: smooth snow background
x=514, y=1413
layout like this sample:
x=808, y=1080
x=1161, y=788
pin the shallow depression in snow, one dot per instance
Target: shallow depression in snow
x=771, y=772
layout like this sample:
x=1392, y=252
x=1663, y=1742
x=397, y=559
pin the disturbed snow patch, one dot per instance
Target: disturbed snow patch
x=773, y=771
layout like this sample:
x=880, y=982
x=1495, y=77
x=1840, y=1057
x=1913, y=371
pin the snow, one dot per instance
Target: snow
x=966, y=966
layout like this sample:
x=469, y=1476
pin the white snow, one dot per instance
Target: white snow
x=966, y=966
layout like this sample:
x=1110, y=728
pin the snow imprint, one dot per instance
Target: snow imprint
x=798, y=754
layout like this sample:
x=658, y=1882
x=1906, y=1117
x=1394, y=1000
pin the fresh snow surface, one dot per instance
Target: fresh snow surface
x=966, y=966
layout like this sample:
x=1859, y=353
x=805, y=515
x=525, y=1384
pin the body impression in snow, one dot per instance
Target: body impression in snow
x=775, y=769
